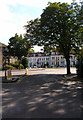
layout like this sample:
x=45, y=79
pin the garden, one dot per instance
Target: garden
x=15, y=65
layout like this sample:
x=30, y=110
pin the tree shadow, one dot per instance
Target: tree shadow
x=14, y=79
x=42, y=96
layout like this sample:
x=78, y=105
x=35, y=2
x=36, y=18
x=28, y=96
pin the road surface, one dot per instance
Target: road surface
x=42, y=96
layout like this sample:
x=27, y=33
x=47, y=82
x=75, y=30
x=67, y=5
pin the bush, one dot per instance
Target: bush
x=25, y=62
x=79, y=67
x=16, y=64
x=21, y=66
x=11, y=64
x=47, y=64
x=6, y=67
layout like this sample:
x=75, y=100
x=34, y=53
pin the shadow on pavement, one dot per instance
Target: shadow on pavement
x=14, y=79
x=42, y=96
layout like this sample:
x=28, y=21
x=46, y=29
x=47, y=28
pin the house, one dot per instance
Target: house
x=52, y=59
x=2, y=57
x=2, y=48
x=13, y=59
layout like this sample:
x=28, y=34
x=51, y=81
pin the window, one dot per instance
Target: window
x=71, y=57
x=46, y=58
x=52, y=53
x=53, y=58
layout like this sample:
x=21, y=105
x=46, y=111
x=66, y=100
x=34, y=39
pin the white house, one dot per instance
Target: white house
x=52, y=59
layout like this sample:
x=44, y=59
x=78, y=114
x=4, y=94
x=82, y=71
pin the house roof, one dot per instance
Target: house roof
x=2, y=45
x=40, y=54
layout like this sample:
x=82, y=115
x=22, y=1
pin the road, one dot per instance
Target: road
x=40, y=71
x=45, y=95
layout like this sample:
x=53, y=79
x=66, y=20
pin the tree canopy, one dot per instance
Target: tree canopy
x=58, y=26
x=24, y=62
x=31, y=51
x=18, y=46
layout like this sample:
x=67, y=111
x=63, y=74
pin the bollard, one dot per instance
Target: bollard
x=26, y=73
x=9, y=75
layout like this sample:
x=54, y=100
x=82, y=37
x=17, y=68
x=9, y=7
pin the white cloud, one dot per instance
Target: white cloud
x=11, y=23
x=32, y=3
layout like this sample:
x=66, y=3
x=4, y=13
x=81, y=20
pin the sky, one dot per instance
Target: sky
x=14, y=14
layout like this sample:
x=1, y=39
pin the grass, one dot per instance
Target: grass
x=58, y=67
x=55, y=68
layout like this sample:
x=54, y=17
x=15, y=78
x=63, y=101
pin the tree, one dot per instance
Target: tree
x=49, y=48
x=58, y=27
x=25, y=62
x=31, y=51
x=18, y=47
x=79, y=52
x=79, y=64
x=79, y=34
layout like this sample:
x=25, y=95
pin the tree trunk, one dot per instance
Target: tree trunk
x=8, y=60
x=68, y=66
x=19, y=64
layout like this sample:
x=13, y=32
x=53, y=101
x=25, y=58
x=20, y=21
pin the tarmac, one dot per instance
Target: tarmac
x=43, y=94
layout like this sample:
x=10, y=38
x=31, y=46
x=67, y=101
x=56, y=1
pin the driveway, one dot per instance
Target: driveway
x=42, y=96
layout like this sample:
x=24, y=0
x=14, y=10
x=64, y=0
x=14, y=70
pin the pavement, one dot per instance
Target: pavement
x=43, y=94
x=16, y=74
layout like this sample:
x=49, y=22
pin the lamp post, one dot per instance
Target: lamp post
x=5, y=56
